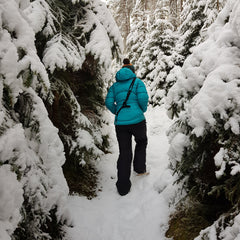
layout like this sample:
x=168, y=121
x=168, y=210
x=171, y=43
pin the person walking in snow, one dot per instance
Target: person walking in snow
x=127, y=98
x=127, y=64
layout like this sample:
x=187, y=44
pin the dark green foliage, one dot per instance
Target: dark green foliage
x=27, y=76
x=104, y=146
x=197, y=161
x=229, y=184
x=197, y=170
x=193, y=28
x=42, y=228
x=24, y=108
x=15, y=168
x=7, y=97
x=86, y=85
x=69, y=89
x=21, y=53
x=40, y=43
x=54, y=227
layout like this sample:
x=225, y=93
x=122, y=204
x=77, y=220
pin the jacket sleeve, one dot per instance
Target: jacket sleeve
x=110, y=101
x=142, y=96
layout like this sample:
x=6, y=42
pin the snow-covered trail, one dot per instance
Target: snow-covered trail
x=143, y=213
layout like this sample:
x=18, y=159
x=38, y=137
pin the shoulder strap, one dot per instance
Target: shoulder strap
x=129, y=91
x=124, y=105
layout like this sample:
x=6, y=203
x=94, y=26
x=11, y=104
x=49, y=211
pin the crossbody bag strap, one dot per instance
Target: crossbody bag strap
x=124, y=105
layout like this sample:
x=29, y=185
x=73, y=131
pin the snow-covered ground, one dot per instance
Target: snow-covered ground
x=144, y=212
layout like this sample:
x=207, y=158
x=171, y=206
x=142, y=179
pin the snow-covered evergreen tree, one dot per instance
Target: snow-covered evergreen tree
x=156, y=49
x=77, y=53
x=33, y=188
x=205, y=136
x=155, y=60
x=54, y=55
x=197, y=16
x=137, y=36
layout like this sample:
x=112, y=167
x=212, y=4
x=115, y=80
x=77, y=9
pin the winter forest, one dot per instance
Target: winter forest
x=58, y=148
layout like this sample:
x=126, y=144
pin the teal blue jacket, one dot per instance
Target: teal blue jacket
x=138, y=99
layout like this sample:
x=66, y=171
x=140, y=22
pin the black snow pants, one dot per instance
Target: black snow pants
x=124, y=137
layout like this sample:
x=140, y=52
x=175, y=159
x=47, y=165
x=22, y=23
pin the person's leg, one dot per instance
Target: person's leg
x=124, y=138
x=140, y=134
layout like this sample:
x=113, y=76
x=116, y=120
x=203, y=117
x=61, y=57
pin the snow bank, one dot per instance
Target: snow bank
x=145, y=207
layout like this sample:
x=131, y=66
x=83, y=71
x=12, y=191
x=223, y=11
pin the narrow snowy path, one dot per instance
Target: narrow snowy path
x=143, y=213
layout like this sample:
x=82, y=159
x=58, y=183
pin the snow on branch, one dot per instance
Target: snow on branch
x=106, y=19
x=40, y=17
x=104, y=33
x=99, y=44
x=61, y=52
x=19, y=53
x=206, y=95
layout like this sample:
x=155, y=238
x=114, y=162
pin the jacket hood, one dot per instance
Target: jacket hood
x=124, y=74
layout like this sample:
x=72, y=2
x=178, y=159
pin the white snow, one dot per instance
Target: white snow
x=98, y=41
x=62, y=53
x=105, y=34
x=11, y=195
x=176, y=149
x=144, y=212
x=31, y=154
x=219, y=162
x=211, y=74
x=37, y=13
